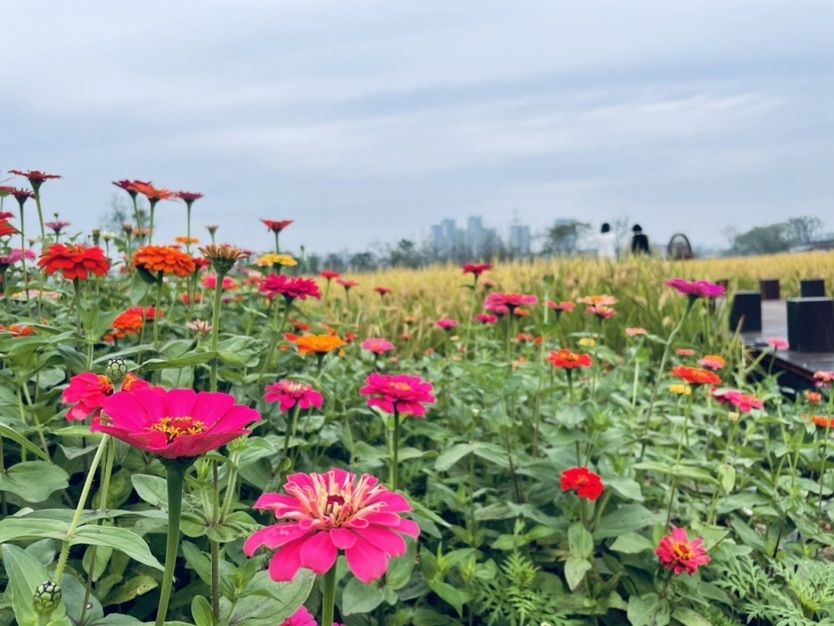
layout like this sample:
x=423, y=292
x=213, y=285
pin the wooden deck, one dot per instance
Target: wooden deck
x=798, y=367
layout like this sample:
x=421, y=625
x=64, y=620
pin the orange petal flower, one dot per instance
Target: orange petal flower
x=165, y=259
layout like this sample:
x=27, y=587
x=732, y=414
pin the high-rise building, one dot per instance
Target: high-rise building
x=520, y=239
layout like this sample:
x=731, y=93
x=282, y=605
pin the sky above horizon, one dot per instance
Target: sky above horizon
x=367, y=121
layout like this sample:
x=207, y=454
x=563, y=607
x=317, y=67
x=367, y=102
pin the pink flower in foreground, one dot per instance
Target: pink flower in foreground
x=742, y=402
x=678, y=554
x=377, y=346
x=778, y=343
x=446, y=324
x=290, y=393
x=328, y=513
x=503, y=303
x=405, y=395
x=179, y=423
x=88, y=391
x=696, y=289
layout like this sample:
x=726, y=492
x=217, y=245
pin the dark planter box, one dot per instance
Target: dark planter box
x=811, y=324
x=769, y=289
x=746, y=310
x=812, y=288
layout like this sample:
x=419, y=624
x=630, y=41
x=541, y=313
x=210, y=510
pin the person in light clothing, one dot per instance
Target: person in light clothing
x=606, y=243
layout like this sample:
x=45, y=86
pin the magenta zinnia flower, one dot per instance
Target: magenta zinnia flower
x=503, y=303
x=303, y=617
x=377, y=346
x=446, y=324
x=289, y=287
x=777, y=343
x=487, y=318
x=179, y=423
x=742, y=402
x=678, y=554
x=330, y=512
x=87, y=393
x=290, y=393
x=696, y=289
x=398, y=393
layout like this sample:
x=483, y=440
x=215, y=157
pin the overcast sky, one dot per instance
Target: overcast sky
x=369, y=121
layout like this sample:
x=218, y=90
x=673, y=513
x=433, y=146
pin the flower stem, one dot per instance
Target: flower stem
x=79, y=510
x=393, y=470
x=176, y=477
x=40, y=216
x=215, y=325
x=328, y=602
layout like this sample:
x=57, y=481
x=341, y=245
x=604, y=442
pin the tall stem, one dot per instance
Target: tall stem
x=176, y=478
x=23, y=254
x=393, y=470
x=40, y=216
x=215, y=326
x=328, y=602
x=79, y=510
x=150, y=223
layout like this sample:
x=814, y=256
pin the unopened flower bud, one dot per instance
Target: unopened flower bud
x=47, y=598
x=116, y=369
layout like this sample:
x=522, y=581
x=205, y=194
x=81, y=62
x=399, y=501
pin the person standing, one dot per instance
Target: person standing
x=606, y=243
x=639, y=241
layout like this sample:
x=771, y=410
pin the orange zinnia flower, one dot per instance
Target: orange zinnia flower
x=128, y=323
x=164, y=259
x=566, y=359
x=315, y=344
x=74, y=261
x=7, y=229
x=696, y=375
x=154, y=194
x=712, y=361
x=18, y=330
x=600, y=300
x=822, y=421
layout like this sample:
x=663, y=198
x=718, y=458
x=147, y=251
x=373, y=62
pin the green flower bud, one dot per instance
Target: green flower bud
x=116, y=369
x=47, y=598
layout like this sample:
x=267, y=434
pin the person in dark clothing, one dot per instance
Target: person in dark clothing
x=639, y=241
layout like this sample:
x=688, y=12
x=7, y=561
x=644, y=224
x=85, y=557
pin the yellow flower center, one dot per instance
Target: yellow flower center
x=682, y=551
x=174, y=427
x=401, y=386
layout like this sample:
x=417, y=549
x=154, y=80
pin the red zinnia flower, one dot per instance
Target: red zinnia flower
x=822, y=421
x=88, y=391
x=22, y=195
x=330, y=512
x=7, y=229
x=210, y=282
x=290, y=287
x=179, y=423
x=36, y=177
x=289, y=393
x=584, y=482
x=678, y=554
x=329, y=274
x=130, y=185
x=696, y=376
x=276, y=226
x=503, y=303
x=487, y=318
x=74, y=261
x=382, y=291
x=568, y=360
x=153, y=194
x=561, y=307
x=128, y=323
x=347, y=284
x=188, y=196
x=405, y=395
x=476, y=269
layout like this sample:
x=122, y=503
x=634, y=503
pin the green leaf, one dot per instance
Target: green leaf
x=580, y=542
x=120, y=539
x=16, y=528
x=25, y=573
x=10, y=433
x=152, y=489
x=688, y=617
x=727, y=477
x=201, y=611
x=452, y=455
x=34, y=481
x=631, y=543
x=452, y=595
x=627, y=518
x=358, y=597
x=625, y=487
x=133, y=588
x=648, y=610
x=575, y=570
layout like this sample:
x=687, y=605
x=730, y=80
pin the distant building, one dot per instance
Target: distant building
x=477, y=241
x=519, y=239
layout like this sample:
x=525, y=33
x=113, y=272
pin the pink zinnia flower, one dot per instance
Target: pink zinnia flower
x=210, y=282
x=487, y=318
x=330, y=512
x=290, y=287
x=446, y=324
x=696, y=289
x=382, y=291
x=778, y=343
x=678, y=554
x=179, y=423
x=636, y=331
x=377, y=346
x=405, y=395
x=88, y=391
x=823, y=379
x=303, y=617
x=329, y=275
x=503, y=303
x=601, y=311
x=56, y=226
x=561, y=307
x=712, y=361
x=290, y=393
x=17, y=255
x=740, y=401
x=347, y=284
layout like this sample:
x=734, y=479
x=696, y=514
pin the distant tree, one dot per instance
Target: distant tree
x=763, y=240
x=363, y=262
x=404, y=254
x=334, y=262
x=804, y=229
x=563, y=237
x=119, y=213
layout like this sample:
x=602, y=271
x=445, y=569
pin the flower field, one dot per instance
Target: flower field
x=200, y=434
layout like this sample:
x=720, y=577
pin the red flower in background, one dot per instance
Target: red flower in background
x=377, y=346
x=382, y=291
x=130, y=185
x=561, y=307
x=476, y=269
x=188, y=197
x=276, y=226
x=329, y=274
x=36, y=177
x=503, y=303
x=447, y=324
x=7, y=229
x=74, y=261
x=291, y=287
x=22, y=195
x=742, y=402
x=696, y=376
x=153, y=194
x=583, y=481
x=487, y=318
x=347, y=284
x=179, y=423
